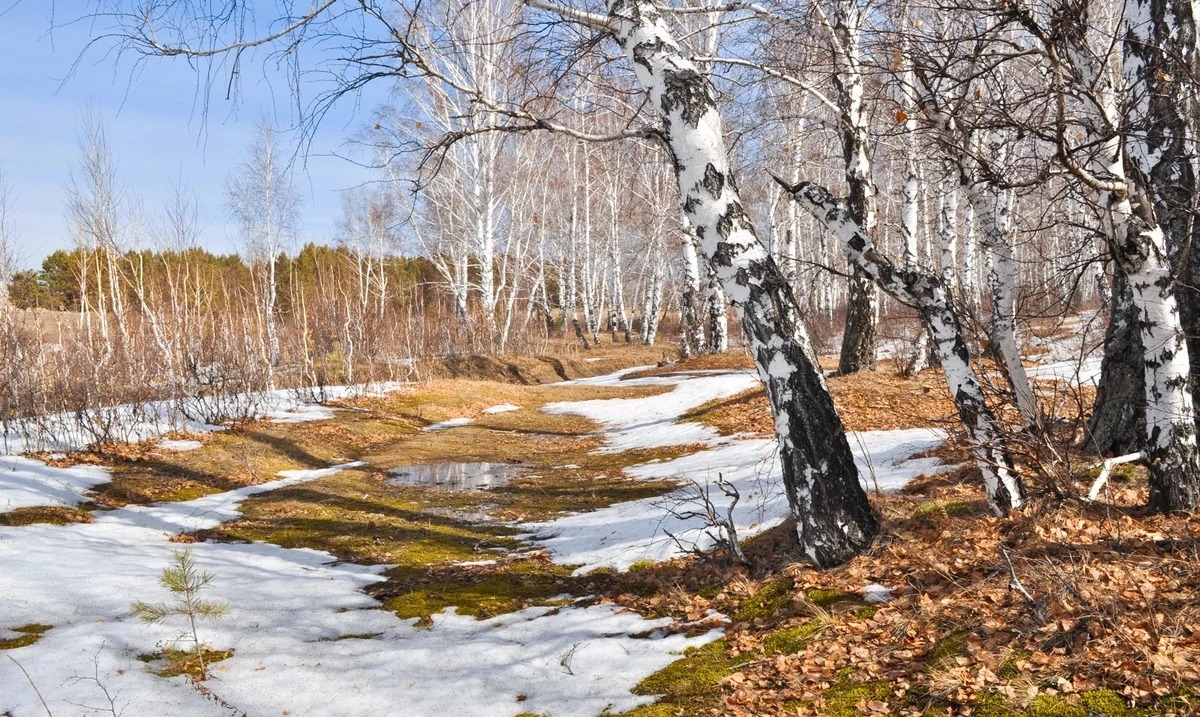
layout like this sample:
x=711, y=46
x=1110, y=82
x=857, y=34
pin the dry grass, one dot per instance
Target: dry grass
x=867, y=401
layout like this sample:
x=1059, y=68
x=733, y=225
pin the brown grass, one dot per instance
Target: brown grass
x=866, y=401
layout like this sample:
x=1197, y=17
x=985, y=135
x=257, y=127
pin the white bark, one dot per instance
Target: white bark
x=833, y=519
x=925, y=292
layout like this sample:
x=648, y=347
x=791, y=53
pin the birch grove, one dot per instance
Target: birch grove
x=706, y=178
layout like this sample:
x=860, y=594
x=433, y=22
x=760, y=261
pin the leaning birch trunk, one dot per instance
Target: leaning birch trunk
x=993, y=211
x=834, y=520
x=924, y=291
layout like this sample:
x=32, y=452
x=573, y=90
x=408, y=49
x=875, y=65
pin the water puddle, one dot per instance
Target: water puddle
x=455, y=477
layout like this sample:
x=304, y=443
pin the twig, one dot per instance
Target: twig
x=1106, y=468
x=1014, y=583
x=568, y=657
x=36, y=691
x=726, y=536
x=110, y=696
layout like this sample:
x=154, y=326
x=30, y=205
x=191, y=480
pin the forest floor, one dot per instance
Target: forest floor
x=357, y=584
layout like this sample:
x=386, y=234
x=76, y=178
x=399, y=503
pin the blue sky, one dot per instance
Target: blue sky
x=155, y=127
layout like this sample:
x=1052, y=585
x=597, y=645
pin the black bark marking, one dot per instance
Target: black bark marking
x=713, y=181
x=687, y=92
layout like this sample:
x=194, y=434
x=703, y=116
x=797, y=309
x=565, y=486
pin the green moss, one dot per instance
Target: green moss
x=642, y=565
x=828, y=598
x=26, y=635
x=689, y=685
x=1008, y=669
x=658, y=709
x=481, y=597
x=173, y=663
x=934, y=512
x=1094, y=703
x=790, y=640
x=842, y=697
x=949, y=647
x=774, y=596
x=866, y=612
x=992, y=704
x=1122, y=472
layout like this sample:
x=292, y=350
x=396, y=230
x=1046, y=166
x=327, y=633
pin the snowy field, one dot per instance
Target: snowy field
x=620, y=535
x=308, y=641
x=133, y=424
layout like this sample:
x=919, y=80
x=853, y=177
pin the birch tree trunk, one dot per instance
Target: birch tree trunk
x=1160, y=49
x=691, y=323
x=993, y=210
x=948, y=237
x=862, y=301
x=925, y=292
x=834, y=521
x=718, y=323
x=1117, y=425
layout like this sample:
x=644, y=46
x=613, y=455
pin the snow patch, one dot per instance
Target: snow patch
x=299, y=622
x=623, y=534
x=876, y=593
x=170, y=444
x=502, y=408
x=25, y=482
x=136, y=423
x=1077, y=373
x=651, y=422
x=452, y=423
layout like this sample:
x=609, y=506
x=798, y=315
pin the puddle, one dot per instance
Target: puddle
x=455, y=477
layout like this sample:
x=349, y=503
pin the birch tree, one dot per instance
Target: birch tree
x=262, y=198
x=1142, y=126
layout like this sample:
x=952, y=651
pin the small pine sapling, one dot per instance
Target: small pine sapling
x=184, y=581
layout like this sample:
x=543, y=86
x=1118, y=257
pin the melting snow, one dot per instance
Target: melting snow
x=179, y=445
x=651, y=422
x=1078, y=373
x=62, y=432
x=308, y=641
x=502, y=408
x=25, y=482
x=876, y=593
x=620, y=535
x=453, y=422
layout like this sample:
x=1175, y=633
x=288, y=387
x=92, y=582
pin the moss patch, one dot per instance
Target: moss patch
x=791, y=640
x=26, y=635
x=847, y=697
x=934, y=513
x=774, y=596
x=359, y=516
x=481, y=595
x=688, y=685
x=173, y=663
x=45, y=515
x=827, y=598
x=1094, y=703
x=950, y=646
